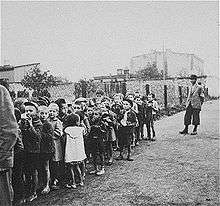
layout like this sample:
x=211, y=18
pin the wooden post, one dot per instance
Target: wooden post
x=180, y=95
x=147, y=89
x=187, y=91
x=124, y=88
x=165, y=96
x=84, y=89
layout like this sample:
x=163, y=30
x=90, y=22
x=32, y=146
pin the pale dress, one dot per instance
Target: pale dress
x=75, y=150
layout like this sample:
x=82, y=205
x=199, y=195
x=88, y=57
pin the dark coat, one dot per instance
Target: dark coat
x=31, y=136
x=8, y=129
x=47, y=143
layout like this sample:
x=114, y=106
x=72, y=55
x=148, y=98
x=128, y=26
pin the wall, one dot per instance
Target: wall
x=65, y=91
x=157, y=87
x=9, y=75
x=178, y=64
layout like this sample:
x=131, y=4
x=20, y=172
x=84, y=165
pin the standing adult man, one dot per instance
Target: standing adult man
x=194, y=102
x=8, y=135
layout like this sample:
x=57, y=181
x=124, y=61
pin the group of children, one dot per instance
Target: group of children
x=58, y=140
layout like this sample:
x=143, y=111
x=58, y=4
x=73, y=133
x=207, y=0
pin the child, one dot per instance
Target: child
x=156, y=108
x=75, y=151
x=58, y=153
x=148, y=111
x=96, y=137
x=108, y=119
x=126, y=129
x=131, y=97
x=117, y=108
x=47, y=147
x=140, y=117
x=31, y=127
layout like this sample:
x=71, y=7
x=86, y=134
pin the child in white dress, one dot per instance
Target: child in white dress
x=74, y=151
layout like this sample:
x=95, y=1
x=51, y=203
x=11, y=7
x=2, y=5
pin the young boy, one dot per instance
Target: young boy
x=131, y=97
x=47, y=147
x=148, y=111
x=140, y=117
x=127, y=124
x=31, y=127
x=108, y=119
x=96, y=137
x=58, y=153
x=117, y=108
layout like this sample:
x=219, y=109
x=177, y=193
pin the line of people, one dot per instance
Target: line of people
x=58, y=140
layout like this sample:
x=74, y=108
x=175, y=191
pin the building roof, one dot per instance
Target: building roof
x=117, y=76
x=26, y=65
x=10, y=67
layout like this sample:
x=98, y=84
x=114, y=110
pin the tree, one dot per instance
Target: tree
x=85, y=88
x=38, y=80
x=150, y=72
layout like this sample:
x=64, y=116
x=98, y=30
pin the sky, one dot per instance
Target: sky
x=84, y=39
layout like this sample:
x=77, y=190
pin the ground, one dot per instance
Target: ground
x=174, y=170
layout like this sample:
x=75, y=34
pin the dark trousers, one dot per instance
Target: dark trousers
x=109, y=149
x=31, y=167
x=98, y=149
x=17, y=177
x=150, y=126
x=139, y=131
x=191, y=116
x=6, y=190
x=56, y=171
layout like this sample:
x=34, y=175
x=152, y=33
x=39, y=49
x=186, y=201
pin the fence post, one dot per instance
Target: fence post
x=84, y=88
x=187, y=91
x=180, y=95
x=165, y=96
x=147, y=89
x=124, y=89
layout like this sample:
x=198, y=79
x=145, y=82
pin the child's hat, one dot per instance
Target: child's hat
x=31, y=104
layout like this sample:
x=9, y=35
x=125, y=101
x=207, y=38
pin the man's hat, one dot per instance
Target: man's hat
x=31, y=104
x=193, y=76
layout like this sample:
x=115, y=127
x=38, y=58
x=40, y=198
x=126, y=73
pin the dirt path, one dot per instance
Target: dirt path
x=174, y=170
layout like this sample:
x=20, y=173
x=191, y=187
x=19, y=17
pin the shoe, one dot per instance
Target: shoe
x=55, y=187
x=71, y=186
x=183, y=132
x=81, y=184
x=109, y=163
x=19, y=203
x=101, y=172
x=193, y=133
x=45, y=191
x=152, y=140
x=32, y=197
x=68, y=186
x=129, y=159
x=93, y=172
x=120, y=157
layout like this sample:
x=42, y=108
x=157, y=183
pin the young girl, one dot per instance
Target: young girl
x=74, y=151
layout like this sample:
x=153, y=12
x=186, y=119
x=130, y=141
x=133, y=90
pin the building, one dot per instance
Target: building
x=14, y=74
x=175, y=64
